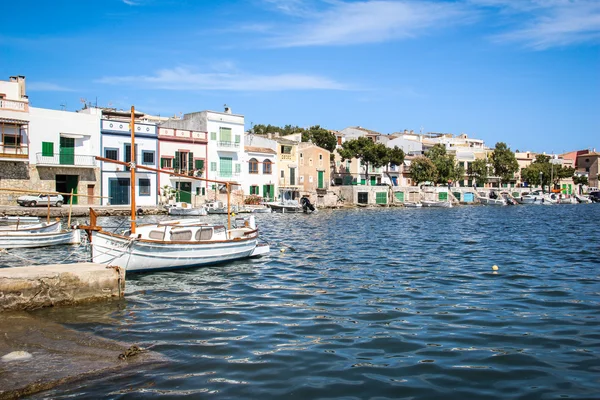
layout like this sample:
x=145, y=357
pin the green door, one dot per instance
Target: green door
x=292, y=176
x=118, y=190
x=321, y=178
x=67, y=151
x=381, y=198
x=226, y=167
x=373, y=180
x=268, y=192
x=184, y=191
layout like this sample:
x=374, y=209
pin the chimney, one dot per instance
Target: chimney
x=20, y=80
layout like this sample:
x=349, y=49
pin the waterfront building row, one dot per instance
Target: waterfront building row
x=52, y=150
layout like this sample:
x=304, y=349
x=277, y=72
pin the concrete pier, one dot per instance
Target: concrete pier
x=29, y=288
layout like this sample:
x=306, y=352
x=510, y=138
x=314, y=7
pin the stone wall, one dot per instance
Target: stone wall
x=21, y=175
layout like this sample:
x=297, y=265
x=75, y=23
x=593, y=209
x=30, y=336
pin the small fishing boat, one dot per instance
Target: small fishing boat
x=38, y=237
x=40, y=227
x=412, y=204
x=187, y=209
x=287, y=203
x=491, y=199
x=436, y=203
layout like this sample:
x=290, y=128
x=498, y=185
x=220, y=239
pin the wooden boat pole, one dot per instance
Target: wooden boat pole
x=133, y=162
x=48, y=216
x=70, y=209
x=228, y=206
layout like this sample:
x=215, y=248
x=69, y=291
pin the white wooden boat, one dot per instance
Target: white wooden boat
x=41, y=227
x=12, y=220
x=187, y=209
x=491, y=198
x=175, y=245
x=436, y=203
x=412, y=204
x=18, y=239
x=537, y=198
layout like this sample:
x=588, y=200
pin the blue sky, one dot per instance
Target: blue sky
x=526, y=72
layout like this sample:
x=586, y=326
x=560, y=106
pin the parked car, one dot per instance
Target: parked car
x=41, y=200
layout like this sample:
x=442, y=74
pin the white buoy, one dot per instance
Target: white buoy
x=16, y=356
x=494, y=267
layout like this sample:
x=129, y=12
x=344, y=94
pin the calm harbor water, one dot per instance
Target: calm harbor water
x=382, y=303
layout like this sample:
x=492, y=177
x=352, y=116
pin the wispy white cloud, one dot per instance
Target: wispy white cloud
x=538, y=24
x=47, y=87
x=131, y=3
x=542, y=24
x=184, y=78
x=347, y=23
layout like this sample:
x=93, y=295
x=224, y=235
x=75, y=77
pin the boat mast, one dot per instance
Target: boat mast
x=132, y=169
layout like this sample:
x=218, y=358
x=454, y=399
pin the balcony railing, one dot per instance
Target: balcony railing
x=13, y=151
x=224, y=144
x=14, y=105
x=62, y=159
x=226, y=174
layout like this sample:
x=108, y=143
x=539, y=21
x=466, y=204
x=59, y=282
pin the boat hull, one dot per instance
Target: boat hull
x=187, y=211
x=11, y=240
x=53, y=227
x=441, y=204
x=148, y=255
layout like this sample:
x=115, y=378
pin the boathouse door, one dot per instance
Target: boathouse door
x=184, y=191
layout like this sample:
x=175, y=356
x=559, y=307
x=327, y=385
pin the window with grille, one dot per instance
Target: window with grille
x=112, y=154
x=144, y=187
x=147, y=157
x=47, y=149
x=253, y=166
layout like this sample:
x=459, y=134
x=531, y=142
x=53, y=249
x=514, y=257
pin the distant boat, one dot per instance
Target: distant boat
x=288, y=201
x=491, y=199
x=436, y=203
x=412, y=204
x=183, y=208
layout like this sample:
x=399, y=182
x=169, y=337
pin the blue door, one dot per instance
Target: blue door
x=118, y=190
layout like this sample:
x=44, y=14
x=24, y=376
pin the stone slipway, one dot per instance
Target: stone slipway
x=58, y=356
x=29, y=288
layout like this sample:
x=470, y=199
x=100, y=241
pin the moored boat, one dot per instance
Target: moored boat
x=187, y=209
x=20, y=239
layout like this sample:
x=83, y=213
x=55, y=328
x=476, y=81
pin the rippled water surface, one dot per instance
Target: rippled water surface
x=382, y=303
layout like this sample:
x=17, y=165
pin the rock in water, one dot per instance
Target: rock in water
x=16, y=355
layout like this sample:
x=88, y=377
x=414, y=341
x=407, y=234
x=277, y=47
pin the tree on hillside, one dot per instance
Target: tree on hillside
x=260, y=129
x=422, y=169
x=480, y=170
x=447, y=168
x=360, y=148
x=504, y=162
x=321, y=137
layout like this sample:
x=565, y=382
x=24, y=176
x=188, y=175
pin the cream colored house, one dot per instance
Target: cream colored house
x=314, y=167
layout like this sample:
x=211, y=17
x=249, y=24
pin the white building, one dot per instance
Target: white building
x=225, y=142
x=182, y=152
x=259, y=176
x=63, y=146
x=116, y=145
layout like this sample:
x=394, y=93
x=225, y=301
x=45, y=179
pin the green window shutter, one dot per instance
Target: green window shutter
x=225, y=167
x=162, y=162
x=199, y=164
x=47, y=149
x=213, y=166
x=213, y=136
x=400, y=196
x=237, y=138
x=225, y=134
x=176, y=161
x=443, y=196
x=190, y=160
x=238, y=168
